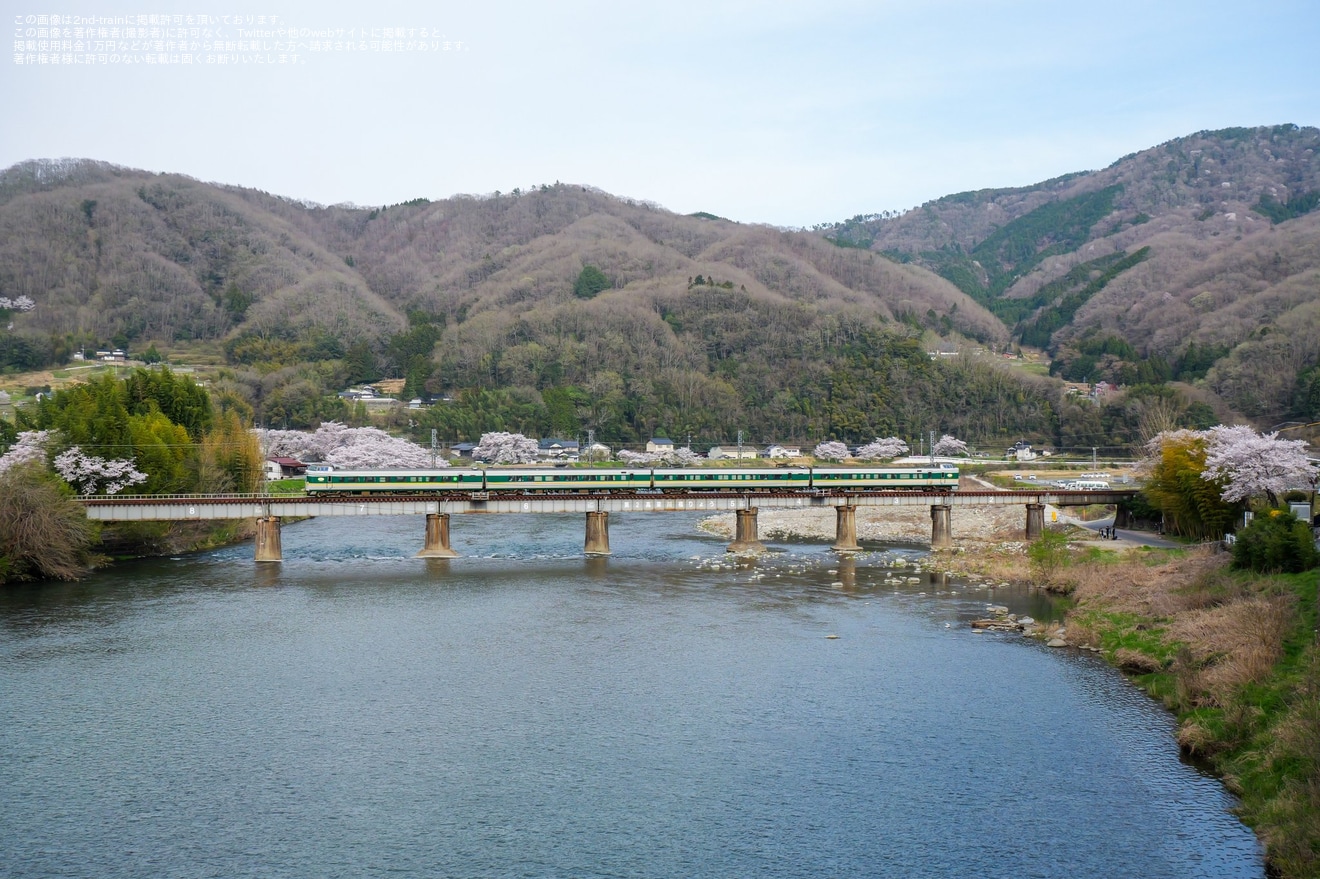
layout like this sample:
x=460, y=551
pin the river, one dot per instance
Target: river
x=523, y=711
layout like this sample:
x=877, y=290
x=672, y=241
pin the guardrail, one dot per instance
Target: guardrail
x=233, y=496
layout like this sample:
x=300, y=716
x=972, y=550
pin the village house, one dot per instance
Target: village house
x=557, y=448
x=731, y=453
x=659, y=444
x=597, y=452
x=1020, y=451
x=368, y=396
x=280, y=467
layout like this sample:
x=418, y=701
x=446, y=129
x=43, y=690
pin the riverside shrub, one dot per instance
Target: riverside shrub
x=44, y=533
x=1275, y=542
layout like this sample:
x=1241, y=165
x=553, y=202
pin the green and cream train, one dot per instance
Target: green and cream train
x=560, y=480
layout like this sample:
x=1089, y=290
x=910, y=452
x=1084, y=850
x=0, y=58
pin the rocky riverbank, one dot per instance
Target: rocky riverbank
x=988, y=541
x=901, y=525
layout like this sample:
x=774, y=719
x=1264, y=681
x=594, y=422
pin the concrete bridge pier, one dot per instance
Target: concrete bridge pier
x=744, y=536
x=437, y=538
x=268, y=539
x=1035, y=520
x=941, y=536
x=845, y=529
x=598, y=533
x=1122, y=516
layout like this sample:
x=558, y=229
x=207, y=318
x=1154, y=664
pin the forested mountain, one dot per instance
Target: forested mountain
x=563, y=308
x=558, y=309
x=1196, y=260
x=111, y=252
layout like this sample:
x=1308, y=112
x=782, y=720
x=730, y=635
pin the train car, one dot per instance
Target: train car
x=519, y=480
x=732, y=479
x=394, y=481
x=944, y=476
x=565, y=479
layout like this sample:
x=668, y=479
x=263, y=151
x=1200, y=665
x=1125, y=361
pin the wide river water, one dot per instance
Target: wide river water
x=523, y=711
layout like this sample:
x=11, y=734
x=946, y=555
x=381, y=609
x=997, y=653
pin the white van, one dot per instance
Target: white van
x=1089, y=485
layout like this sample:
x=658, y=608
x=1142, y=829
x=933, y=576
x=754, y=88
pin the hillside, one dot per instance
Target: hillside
x=560, y=309
x=109, y=252
x=1198, y=259
x=565, y=309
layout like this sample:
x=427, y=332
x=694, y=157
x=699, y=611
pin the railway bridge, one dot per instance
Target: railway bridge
x=269, y=509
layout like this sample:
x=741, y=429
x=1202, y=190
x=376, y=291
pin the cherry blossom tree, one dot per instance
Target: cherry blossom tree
x=638, y=459
x=90, y=474
x=30, y=445
x=349, y=448
x=949, y=445
x=298, y=444
x=684, y=457
x=20, y=303
x=880, y=449
x=830, y=451
x=1249, y=464
x=505, y=448
x=681, y=457
x=378, y=450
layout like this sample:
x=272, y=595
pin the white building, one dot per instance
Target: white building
x=731, y=453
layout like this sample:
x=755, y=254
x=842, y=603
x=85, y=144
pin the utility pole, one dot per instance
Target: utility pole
x=591, y=443
x=740, y=441
x=1093, y=463
x=932, y=447
x=264, y=453
x=433, y=448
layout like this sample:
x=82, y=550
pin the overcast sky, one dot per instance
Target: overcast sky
x=784, y=113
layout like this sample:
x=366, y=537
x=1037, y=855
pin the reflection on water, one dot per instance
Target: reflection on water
x=522, y=710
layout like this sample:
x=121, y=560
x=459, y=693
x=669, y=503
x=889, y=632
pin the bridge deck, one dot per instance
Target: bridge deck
x=196, y=507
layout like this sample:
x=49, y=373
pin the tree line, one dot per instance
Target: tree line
x=159, y=432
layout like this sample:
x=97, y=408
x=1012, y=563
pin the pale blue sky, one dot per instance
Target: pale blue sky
x=790, y=113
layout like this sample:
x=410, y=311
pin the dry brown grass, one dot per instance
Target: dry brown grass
x=1193, y=738
x=1233, y=644
x=1135, y=662
x=1132, y=586
x=1229, y=637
